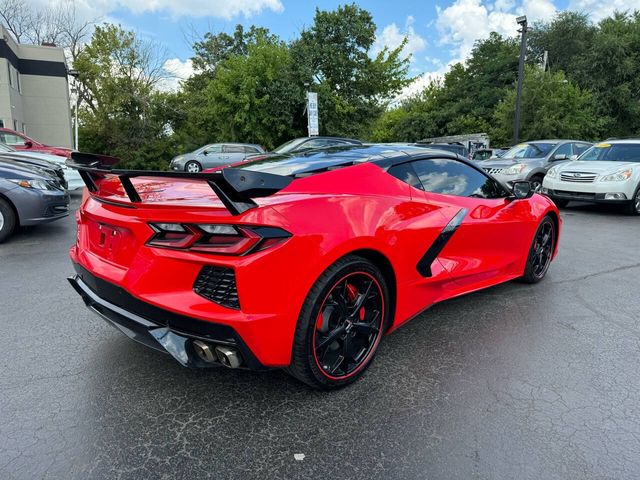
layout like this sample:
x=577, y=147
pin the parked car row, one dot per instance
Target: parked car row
x=29, y=195
x=34, y=182
x=216, y=155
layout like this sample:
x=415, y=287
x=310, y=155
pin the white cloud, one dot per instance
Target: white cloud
x=176, y=71
x=599, y=9
x=225, y=9
x=392, y=37
x=464, y=22
x=537, y=10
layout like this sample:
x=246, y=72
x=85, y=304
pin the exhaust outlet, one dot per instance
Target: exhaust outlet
x=228, y=357
x=204, y=351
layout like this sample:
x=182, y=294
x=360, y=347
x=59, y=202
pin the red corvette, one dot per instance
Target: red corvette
x=302, y=262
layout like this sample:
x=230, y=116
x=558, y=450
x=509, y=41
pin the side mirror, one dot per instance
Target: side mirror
x=28, y=144
x=522, y=190
x=560, y=156
x=205, y=153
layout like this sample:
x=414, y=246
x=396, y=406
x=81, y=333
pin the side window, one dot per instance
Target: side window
x=11, y=139
x=564, y=150
x=451, y=177
x=250, y=150
x=407, y=174
x=213, y=149
x=580, y=148
x=315, y=144
x=233, y=149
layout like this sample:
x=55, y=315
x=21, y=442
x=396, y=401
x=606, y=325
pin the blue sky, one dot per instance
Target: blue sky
x=439, y=32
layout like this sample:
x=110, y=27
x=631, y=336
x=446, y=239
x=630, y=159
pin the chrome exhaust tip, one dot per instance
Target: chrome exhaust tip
x=204, y=351
x=228, y=357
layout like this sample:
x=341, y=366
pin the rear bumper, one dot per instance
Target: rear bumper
x=156, y=327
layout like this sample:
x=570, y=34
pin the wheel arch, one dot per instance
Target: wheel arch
x=13, y=207
x=386, y=268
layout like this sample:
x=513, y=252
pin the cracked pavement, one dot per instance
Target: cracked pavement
x=516, y=381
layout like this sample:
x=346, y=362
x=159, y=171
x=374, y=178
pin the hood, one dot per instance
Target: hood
x=35, y=161
x=596, y=167
x=506, y=162
x=11, y=169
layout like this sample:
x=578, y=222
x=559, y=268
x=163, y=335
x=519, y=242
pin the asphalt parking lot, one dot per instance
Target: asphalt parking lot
x=517, y=381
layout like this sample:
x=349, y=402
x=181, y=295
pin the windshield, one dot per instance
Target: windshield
x=289, y=146
x=612, y=152
x=530, y=150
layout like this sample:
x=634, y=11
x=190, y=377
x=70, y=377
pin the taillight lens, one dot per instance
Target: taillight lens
x=216, y=238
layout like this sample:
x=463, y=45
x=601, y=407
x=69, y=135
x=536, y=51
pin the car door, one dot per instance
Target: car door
x=562, y=153
x=232, y=154
x=490, y=230
x=211, y=156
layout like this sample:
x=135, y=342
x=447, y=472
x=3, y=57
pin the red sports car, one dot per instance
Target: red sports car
x=302, y=262
x=20, y=141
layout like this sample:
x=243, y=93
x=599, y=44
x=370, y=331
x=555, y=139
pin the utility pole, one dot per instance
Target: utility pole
x=522, y=21
x=74, y=89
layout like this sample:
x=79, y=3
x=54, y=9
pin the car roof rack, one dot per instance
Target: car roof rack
x=236, y=188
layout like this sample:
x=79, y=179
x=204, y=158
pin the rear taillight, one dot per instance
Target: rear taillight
x=216, y=238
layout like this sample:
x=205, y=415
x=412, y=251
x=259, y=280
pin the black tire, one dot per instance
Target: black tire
x=537, y=267
x=633, y=207
x=536, y=183
x=560, y=203
x=7, y=220
x=193, y=167
x=309, y=360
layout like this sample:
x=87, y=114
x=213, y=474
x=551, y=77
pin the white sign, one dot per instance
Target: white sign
x=312, y=114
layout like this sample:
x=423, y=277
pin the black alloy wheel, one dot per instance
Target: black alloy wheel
x=541, y=251
x=341, y=324
x=348, y=326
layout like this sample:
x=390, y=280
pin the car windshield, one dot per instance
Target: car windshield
x=289, y=146
x=530, y=150
x=612, y=152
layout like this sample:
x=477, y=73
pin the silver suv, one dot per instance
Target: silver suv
x=531, y=160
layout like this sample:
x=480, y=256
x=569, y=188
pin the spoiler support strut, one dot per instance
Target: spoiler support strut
x=235, y=187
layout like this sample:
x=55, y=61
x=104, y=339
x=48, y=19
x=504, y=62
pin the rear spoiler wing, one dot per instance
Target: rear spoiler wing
x=235, y=187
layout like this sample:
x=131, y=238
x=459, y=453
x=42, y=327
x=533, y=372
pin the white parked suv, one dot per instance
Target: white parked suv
x=608, y=172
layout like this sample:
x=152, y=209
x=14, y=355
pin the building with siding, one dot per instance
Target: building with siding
x=34, y=91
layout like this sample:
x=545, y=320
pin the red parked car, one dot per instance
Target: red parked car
x=20, y=141
x=303, y=262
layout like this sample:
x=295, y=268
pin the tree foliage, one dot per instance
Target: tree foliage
x=552, y=107
x=122, y=112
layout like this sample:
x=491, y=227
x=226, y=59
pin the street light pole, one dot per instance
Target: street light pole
x=74, y=74
x=522, y=21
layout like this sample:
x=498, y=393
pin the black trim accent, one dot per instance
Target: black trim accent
x=234, y=187
x=119, y=307
x=28, y=66
x=424, y=265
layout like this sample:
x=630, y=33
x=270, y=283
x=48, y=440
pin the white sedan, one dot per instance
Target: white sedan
x=74, y=181
x=608, y=172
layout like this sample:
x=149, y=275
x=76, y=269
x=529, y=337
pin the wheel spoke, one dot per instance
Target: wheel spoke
x=330, y=337
x=366, y=328
x=361, y=299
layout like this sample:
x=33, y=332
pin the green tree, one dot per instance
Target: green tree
x=254, y=95
x=552, y=107
x=122, y=113
x=566, y=38
x=334, y=56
